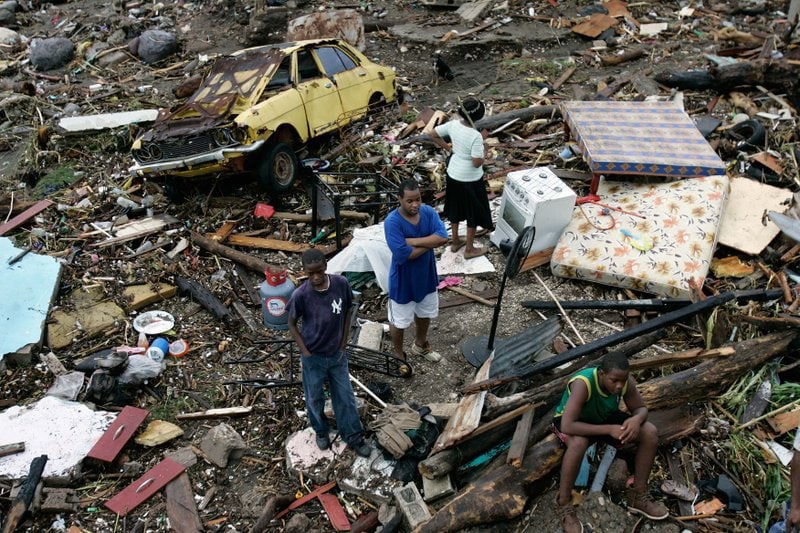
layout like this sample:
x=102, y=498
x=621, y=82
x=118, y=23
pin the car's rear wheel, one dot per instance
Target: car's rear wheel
x=279, y=168
x=376, y=102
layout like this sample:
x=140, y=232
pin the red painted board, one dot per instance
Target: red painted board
x=26, y=215
x=145, y=487
x=118, y=434
x=307, y=498
x=335, y=512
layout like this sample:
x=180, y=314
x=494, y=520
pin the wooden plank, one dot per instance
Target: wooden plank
x=137, y=229
x=785, y=422
x=519, y=442
x=9, y=449
x=595, y=25
x=536, y=259
x=223, y=232
x=215, y=413
x=676, y=472
x=471, y=295
x=118, y=434
x=145, y=487
x=268, y=244
x=138, y=296
x=245, y=314
x=26, y=215
x=248, y=284
x=181, y=509
x=334, y=511
x=467, y=416
x=679, y=357
x=307, y=498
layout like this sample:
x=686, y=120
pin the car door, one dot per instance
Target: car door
x=319, y=93
x=350, y=77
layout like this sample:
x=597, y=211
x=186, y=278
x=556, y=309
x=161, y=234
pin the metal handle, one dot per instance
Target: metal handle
x=328, y=85
x=119, y=431
x=144, y=484
x=362, y=73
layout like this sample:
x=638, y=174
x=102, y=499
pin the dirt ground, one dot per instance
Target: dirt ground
x=505, y=67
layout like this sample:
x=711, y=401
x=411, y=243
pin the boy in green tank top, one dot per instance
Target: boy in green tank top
x=589, y=411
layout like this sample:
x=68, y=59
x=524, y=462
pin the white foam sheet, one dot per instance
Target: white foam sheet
x=64, y=431
x=368, y=252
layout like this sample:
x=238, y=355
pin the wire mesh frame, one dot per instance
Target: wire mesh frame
x=383, y=194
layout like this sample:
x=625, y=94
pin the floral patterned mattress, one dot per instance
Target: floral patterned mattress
x=664, y=239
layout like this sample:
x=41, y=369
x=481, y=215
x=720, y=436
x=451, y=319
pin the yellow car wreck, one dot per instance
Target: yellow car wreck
x=257, y=107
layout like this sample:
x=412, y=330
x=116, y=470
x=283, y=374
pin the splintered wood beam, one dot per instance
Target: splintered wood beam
x=223, y=232
x=181, y=508
x=253, y=263
x=216, y=413
x=267, y=244
x=23, y=217
x=519, y=442
x=681, y=357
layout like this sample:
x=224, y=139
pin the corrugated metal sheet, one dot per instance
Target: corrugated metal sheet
x=520, y=350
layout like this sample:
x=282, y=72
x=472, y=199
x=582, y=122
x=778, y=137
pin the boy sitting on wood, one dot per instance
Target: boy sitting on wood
x=589, y=411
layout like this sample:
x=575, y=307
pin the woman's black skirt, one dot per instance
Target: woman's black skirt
x=468, y=201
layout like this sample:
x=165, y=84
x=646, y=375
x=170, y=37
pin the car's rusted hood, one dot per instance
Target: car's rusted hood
x=233, y=85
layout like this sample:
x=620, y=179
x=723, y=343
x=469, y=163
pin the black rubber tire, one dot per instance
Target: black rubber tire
x=279, y=168
x=749, y=134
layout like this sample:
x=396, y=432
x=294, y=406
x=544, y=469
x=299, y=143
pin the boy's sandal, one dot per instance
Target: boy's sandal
x=426, y=352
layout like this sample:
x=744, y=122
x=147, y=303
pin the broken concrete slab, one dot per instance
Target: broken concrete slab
x=436, y=488
x=51, y=420
x=472, y=11
x=104, y=121
x=222, y=444
x=184, y=456
x=370, y=335
x=741, y=227
x=415, y=511
x=369, y=478
x=345, y=24
x=37, y=277
x=303, y=455
x=158, y=432
x=90, y=316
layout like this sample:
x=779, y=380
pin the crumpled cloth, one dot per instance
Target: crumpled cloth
x=391, y=425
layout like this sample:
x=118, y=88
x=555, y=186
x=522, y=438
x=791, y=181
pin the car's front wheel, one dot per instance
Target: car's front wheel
x=279, y=168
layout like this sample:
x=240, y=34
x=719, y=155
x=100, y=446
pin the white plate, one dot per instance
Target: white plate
x=153, y=322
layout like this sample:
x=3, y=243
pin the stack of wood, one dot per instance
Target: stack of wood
x=482, y=421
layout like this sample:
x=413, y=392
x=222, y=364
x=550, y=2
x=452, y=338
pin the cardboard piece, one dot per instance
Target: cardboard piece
x=595, y=25
x=741, y=226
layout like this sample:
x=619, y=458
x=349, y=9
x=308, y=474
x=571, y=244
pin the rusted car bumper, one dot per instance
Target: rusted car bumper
x=197, y=164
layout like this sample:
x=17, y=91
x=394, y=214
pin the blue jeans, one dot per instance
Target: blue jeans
x=333, y=369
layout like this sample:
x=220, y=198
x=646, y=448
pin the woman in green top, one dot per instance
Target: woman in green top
x=589, y=411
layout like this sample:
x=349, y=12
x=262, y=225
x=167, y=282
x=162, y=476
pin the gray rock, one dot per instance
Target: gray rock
x=9, y=5
x=117, y=38
x=7, y=17
x=299, y=523
x=221, y=444
x=52, y=53
x=154, y=45
x=10, y=37
x=184, y=456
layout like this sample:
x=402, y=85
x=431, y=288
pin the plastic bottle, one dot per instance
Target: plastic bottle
x=143, y=342
x=275, y=292
x=158, y=348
